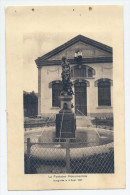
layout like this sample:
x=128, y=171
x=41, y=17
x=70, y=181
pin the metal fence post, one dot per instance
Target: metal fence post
x=28, y=155
x=68, y=155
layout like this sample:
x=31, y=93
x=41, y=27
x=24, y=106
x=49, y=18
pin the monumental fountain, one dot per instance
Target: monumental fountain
x=66, y=119
x=65, y=128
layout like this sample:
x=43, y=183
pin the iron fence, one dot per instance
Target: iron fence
x=68, y=156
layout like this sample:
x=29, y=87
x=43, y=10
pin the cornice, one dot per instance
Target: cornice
x=72, y=61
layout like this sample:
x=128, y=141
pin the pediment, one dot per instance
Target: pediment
x=90, y=49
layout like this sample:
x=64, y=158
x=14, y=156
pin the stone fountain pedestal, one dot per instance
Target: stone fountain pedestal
x=66, y=119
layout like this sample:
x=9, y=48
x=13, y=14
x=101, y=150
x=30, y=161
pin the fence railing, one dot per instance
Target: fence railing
x=65, y=145
x=100, y=122
x=67, y=156
x=41, y=124
x=104, y=123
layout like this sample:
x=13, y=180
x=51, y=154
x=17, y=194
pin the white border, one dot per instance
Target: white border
x=3, y=126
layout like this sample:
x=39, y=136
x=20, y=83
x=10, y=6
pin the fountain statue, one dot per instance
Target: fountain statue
x=65, y=119
x=66, y=83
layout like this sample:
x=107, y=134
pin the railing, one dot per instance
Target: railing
x=40, y=123
x=65, y=145
x=106, y=123
x=68, y=157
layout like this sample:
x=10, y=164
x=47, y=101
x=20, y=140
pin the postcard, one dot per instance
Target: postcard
x=65, y=97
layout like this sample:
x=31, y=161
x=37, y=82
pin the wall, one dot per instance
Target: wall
x=48, y=74
x=51, y=73
x=103, y=70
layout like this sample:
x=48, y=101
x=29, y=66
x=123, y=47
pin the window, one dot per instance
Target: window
x=78, y=71
x=90, y=72
x=81, y=71
x=56, y=90
x=104, y=93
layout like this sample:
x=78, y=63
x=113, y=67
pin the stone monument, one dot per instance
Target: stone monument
x=66, y=120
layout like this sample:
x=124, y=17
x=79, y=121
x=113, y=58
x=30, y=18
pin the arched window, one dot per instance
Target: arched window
x=56, y=90
x=104, y=92
x=82, y=71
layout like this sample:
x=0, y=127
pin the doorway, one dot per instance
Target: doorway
x=80, y=98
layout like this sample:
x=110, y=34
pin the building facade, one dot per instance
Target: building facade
x=91, y=65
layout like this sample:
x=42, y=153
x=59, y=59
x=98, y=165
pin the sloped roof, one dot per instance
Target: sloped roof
x=70, y=43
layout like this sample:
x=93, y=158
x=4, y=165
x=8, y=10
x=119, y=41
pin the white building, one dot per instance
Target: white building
x=92, y=77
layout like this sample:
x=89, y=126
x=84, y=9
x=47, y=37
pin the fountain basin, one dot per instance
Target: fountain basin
x=88, y=141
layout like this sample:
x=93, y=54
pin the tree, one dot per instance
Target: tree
x=30, y=104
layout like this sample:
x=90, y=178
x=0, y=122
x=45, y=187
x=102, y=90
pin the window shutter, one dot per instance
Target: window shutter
x=104, y=95
x=56, y=90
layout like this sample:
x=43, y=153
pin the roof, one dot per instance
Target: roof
x=70, y=43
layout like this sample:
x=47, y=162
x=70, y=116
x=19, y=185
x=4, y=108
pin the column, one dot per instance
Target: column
x=39, y=90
